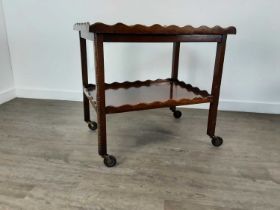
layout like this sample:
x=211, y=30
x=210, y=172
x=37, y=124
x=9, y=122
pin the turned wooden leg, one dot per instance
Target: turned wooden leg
x=215, y=92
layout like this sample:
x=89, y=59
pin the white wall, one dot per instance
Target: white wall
x=45, y=49
x=7, y=91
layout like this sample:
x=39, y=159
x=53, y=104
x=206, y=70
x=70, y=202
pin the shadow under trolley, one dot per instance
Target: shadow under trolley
x=170, y=92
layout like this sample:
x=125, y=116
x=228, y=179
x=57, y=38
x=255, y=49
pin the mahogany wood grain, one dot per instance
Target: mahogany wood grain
x=216, y=84
x=84, y=68
x=120, y=28
x=100, y=94
x=160, y=38
x=140, y=33
x=175, y=60
x=175, y=66
x=140, y=95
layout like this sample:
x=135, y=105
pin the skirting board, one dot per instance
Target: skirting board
x=7, y=95
x=226, y=105
x=243, y=106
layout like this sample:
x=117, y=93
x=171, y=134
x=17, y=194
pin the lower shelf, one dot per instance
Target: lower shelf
x=141, y=95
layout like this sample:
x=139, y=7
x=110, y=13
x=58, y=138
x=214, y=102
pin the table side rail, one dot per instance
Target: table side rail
x=153, y=38
x=161, y=38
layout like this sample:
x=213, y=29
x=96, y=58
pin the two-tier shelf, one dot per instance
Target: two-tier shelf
x=150, y=94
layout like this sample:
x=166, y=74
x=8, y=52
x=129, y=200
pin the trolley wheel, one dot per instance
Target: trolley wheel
x=92, y=125
x=177, y=114
x=110, y=160
x=217, y=141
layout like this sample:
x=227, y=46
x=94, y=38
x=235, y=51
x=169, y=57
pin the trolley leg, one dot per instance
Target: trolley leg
x=86, y=109
x=215, y=92
x=174, y=75
x=109, y=160
x=83, y=50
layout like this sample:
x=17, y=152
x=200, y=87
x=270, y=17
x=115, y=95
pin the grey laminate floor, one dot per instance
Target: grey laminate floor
x=48, y=160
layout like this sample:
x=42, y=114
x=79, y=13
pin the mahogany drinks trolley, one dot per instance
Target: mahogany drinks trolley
x=142, y=95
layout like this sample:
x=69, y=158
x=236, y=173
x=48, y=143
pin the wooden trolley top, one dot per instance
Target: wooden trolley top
x=120, y=28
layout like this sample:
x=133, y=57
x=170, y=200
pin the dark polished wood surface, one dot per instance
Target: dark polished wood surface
x=160, y=38
x=139, y=95
x=120, y=28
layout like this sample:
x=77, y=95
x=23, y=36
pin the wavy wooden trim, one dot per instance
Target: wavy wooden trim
x=120, y=28
x=189, y=87
x=202, y=95
x=138, y=83
x=156, y=104
x=127, y=84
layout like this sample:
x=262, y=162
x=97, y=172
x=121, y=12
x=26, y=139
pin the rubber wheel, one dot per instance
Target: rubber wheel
x=177, y=114
x=217, y=141
x=110, y=161
x=92, y=125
